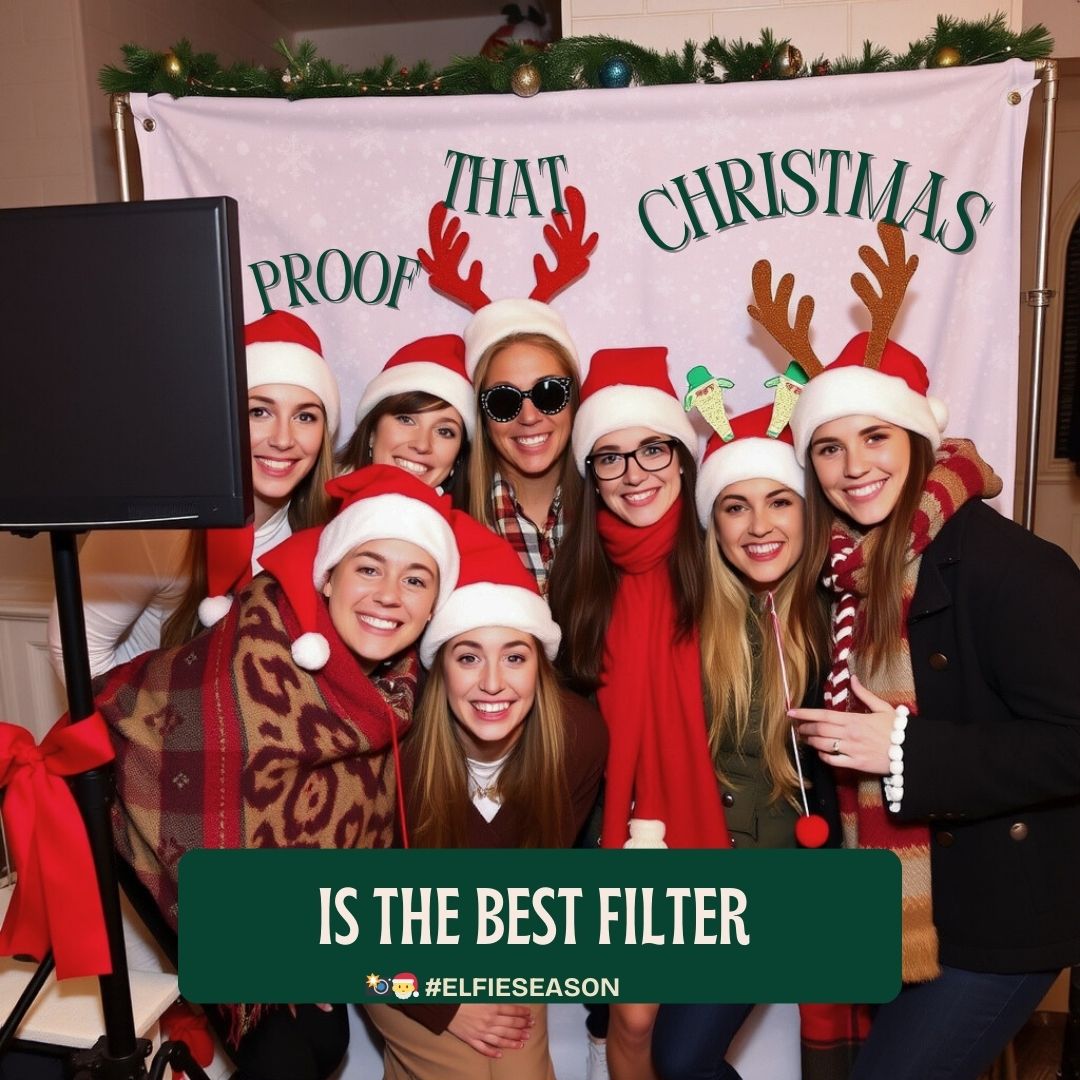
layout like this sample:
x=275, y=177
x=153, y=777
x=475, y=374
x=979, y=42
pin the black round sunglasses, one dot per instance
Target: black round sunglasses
x=504, y=401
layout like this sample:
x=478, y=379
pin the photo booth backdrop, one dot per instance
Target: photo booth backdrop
x=686, y=187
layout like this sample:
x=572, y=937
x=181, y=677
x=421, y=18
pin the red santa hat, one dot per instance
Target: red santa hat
x=493, y=589
x=433, y=365
x=501, y=318
x=228, y=570
x=750, y=455
x=629, y=388
x=379, y=502
x=282, y=348
x=896, y=391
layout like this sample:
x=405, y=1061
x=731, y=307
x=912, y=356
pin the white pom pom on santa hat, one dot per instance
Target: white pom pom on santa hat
x=646, y=833
x=311, y=651
x=212, y=609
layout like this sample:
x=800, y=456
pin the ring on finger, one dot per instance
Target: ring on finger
x=835, y=747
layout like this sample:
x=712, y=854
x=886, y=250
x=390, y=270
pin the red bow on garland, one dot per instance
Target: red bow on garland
x=56, y=902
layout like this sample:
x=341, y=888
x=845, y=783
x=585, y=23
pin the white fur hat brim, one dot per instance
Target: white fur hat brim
x=747, y=458
x=623, y=406
x=389, y=517
x=427, y=377
x=854, y=391
x=499, y=319
x=486, y=603
x=295, y=365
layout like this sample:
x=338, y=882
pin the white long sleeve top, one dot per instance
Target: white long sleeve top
x=132, y=580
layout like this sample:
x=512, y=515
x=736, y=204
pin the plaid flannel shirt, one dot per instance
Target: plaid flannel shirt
x=536, y=546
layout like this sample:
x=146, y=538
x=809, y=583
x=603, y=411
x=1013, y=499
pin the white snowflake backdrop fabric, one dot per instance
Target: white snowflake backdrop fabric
x=793, y=172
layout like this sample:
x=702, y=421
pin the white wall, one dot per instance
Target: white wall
x=818, y=27
x=437, y=41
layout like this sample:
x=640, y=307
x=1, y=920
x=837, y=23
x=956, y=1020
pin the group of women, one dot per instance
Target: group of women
x=821, y=623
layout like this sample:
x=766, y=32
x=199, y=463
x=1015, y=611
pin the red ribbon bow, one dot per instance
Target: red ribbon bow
x=56, y=901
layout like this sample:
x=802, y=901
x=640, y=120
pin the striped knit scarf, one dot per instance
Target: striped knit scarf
x=958, y=476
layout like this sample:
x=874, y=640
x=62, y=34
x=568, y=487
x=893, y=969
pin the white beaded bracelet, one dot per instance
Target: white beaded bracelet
x=894, y=784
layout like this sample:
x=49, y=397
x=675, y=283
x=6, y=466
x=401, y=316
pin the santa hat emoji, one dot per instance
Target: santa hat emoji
x=379, y=502
x=749, y=455
x=432, y=365
x=896, y=391
x=501, y=318
x=493, y=589
x=628, y=388
x=282, y=348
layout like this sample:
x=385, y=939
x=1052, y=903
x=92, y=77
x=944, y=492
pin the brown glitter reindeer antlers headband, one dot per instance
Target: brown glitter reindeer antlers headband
x=873, y=375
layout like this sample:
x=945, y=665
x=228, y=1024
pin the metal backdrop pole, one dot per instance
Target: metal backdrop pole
x=119, y=107
x=1040, y=297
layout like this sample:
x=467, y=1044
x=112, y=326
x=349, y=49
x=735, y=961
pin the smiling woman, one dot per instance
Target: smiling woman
x=500, y=757
x=749, y=498
x=952, y=709
x=281, y=722
x=626, y=589
x=419, y=414
x=523, y=482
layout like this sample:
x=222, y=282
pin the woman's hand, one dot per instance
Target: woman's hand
x=489, y=1029
x=851, y=740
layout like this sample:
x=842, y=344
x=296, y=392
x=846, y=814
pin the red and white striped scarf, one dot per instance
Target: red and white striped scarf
x=958, y=476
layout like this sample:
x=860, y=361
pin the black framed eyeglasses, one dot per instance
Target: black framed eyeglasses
x=652, y=457
x=504, y=401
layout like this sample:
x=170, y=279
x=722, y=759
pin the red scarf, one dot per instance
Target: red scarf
x=650, y=695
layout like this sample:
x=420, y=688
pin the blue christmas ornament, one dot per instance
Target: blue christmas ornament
x=615, y=73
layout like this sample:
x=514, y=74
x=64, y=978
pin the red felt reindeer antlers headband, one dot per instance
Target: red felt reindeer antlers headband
x=495, y=320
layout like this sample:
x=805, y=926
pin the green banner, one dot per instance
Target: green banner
x=673, y=926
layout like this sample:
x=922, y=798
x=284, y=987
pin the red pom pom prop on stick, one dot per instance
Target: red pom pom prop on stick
x=811, y=830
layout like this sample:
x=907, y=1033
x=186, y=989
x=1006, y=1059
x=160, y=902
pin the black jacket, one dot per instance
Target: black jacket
x=993, y=758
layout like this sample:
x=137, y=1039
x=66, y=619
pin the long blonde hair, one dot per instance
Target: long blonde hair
x=727, y=665
x=533, y=777
x=483, y=461
x=309, y=506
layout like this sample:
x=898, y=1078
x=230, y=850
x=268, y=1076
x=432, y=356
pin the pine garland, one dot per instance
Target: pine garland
x=571, y=64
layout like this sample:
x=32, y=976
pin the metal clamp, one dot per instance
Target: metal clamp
x=1038, y=297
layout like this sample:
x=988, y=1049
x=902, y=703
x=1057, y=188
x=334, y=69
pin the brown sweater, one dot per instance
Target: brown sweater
x=586, y=753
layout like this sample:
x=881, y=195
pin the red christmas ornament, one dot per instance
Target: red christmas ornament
x=811, y=830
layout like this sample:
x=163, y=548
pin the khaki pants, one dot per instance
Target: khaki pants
x=414, y=1053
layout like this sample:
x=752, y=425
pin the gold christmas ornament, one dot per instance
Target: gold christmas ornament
x=790, y=63
x=525, y=82
x=946, y=56
x=172, y=65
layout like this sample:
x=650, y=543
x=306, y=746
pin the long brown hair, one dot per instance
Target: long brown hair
x=879, y=633
x=308, y=506
x=584, y=581
x=532, y=778
x=357, y=451
x=484, y=461
x=727, y=665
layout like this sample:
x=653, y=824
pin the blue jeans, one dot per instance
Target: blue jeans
x=949, y=1029
x=690, y=1041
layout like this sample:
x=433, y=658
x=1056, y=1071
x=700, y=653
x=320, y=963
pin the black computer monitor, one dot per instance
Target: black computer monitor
x=122, y=370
